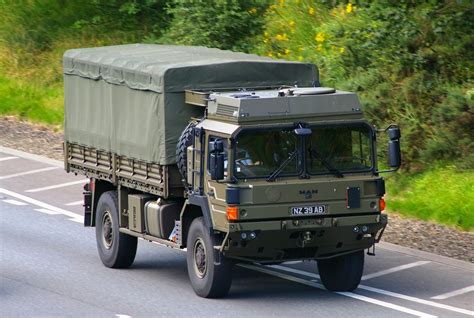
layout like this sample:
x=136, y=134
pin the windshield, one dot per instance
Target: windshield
x=277, y=152
x=260, y=152
x=345, y=148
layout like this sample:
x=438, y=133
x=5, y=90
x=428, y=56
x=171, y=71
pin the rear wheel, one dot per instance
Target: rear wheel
x=116, y=250
x=342, y=273
x=210, y=272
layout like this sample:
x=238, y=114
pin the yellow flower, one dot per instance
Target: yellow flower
x=349, y=8
x=265, y=41
x=342, y=50
x=311, y=10
x=292, y=23
x=319, y=37
x=319, y=47
x=266, y=34
x=287, y=51
x=300, y=49
x=281, y=37
x=300, y=58
x=270, y=54
x=253, y=10
x=279, y=54
x=282, y=3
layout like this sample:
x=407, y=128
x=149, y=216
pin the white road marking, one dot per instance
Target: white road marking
x=295, y=271
x=266, y=270
x=292, y=262
x=417, y=300
x=74, y=217
x=14, y=202
x=75, y=203
x=55, y=186
x=27, y=172
x=394, y=269
x=30, y=156
x=7, y=158
x=122, y=316
x=78, y=220
x=385, y=292
x=46, y=211
x=455, y=293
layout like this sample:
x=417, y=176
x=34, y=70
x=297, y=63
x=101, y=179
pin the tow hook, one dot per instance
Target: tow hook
x=306, y=237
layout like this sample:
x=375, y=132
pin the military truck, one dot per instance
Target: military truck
x=228, y=156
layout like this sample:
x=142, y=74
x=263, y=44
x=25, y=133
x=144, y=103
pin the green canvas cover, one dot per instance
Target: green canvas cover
x=129, y=99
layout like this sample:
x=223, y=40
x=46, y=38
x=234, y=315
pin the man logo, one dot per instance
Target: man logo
x=308, y=194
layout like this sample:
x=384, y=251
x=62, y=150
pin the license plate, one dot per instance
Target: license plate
x=311, y=209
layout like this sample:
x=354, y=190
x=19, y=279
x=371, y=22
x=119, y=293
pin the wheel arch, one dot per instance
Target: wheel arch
x=98, y=188
x=194, y=207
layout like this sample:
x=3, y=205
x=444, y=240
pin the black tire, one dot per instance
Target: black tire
x=342, y=273
x=184, y=141
x=116, y=250
x=209, y=279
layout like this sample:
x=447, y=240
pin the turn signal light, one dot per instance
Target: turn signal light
x=232, y=213
x=382, y=204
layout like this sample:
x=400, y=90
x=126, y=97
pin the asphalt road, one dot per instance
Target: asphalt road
x=49, y=266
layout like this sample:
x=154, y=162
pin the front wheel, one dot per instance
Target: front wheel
x=342, y=273
x=209, y=271
x=116, y=250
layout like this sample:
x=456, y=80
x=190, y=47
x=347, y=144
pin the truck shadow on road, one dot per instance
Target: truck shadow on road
x=170, y=267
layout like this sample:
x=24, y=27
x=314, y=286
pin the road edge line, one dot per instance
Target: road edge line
x=31, y=156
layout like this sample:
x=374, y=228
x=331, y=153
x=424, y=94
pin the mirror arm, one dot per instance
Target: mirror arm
x=388, y=170
x=386, y=128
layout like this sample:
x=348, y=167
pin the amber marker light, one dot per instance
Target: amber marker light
x=382, y=204
x=232, y=213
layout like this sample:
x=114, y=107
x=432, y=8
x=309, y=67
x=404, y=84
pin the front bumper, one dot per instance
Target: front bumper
x=298, y=239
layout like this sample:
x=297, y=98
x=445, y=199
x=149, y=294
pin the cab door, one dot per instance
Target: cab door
x=216, y=189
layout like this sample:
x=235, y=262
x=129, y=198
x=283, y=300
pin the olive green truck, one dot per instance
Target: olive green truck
x=228, y=156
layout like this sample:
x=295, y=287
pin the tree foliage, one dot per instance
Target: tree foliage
x=410, y=61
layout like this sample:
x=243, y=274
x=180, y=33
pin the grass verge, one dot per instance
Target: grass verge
x=442, y=194
x=30, y=102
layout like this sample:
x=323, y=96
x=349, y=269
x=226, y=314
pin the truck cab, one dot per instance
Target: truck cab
x=290, y=174
x=298, y=180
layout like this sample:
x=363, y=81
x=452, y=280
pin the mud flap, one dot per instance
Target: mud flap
x=87, y=205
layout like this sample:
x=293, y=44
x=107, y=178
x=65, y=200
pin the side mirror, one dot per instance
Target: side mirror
x=216, y=159
x=394, y=153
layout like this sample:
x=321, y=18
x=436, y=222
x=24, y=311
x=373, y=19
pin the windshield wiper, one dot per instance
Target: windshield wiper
x=326, y=163
x=278, y=170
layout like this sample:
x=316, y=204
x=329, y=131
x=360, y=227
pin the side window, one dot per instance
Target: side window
x=225, y=141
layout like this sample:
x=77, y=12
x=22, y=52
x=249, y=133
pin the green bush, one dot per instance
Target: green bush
x=224, y=24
